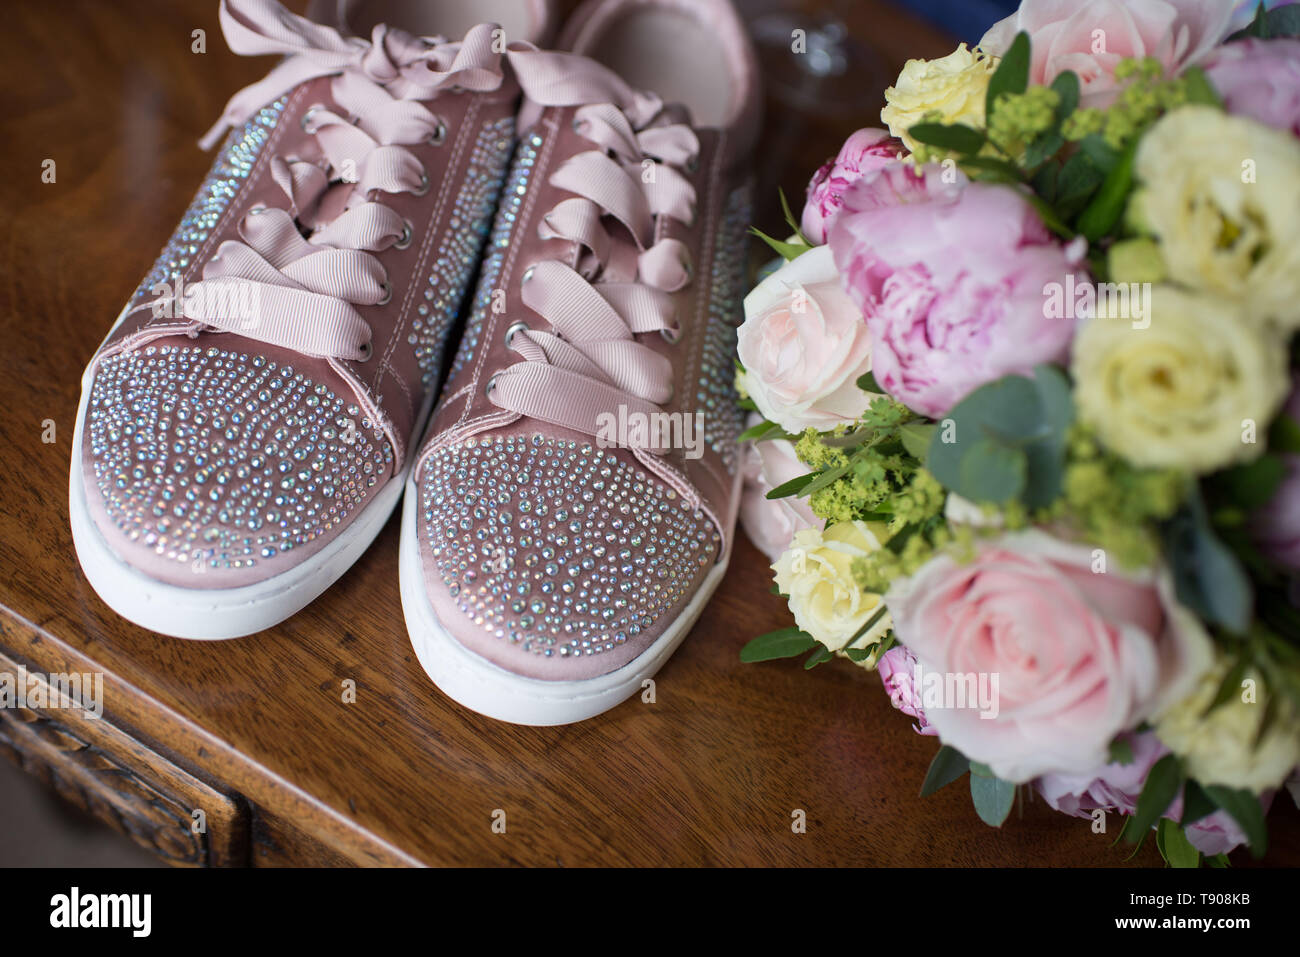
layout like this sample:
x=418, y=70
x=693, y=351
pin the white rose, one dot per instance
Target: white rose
x=804, y=344
x=1220, y=748
x=817, y=573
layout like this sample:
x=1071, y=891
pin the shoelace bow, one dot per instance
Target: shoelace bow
x=618, y=282
x=306, y=290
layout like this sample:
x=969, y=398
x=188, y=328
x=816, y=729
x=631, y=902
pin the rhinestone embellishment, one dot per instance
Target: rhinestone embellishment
x=467, y=228
x=557, y=547
x=220, y=460
x=232, y=166
x=716, y=396
x=512, y=198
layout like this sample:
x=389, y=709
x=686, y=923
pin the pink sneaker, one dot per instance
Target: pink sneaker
x=246, y=428
x=557, y=544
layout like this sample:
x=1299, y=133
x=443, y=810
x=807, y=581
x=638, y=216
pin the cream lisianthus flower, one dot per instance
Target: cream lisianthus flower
x=1219, y=747
x=1192, y=385
x=816, y=571
x=1218, y=192
x=948, y=90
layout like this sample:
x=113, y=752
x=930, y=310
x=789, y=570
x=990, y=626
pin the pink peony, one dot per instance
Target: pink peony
x=771, y=523
x=1116, y=787
x=1259, y=79
x=1091, y=38
x=896, y=668
x=862, y=153
x=953, y=288
x=1075, y=657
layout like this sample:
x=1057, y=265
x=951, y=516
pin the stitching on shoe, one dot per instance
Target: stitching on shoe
x=453, y=165
x=525, y=216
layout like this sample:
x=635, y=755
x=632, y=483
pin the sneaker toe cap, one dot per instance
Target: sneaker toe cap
x=555, y=559
x=211, y=468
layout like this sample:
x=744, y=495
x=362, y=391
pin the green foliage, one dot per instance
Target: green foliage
x=948, y=765
x=782, y=643
x=1006, y=440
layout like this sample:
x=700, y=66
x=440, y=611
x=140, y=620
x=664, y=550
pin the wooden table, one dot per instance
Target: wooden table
x=255, y=733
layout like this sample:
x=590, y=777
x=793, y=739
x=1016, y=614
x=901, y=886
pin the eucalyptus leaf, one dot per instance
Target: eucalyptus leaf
x=1008, y=440
x=993, y=798
x=1208, y=578
x=992, y=472
x=948, y=765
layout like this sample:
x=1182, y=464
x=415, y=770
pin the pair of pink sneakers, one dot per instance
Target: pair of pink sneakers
x=267, y=395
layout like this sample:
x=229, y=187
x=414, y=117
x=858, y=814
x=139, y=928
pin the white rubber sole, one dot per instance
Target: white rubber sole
x=216, y=614
x=482, y=686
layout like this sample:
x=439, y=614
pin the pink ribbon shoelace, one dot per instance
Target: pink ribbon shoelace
x=617, y=282
x=614, y=287
x=306, y=290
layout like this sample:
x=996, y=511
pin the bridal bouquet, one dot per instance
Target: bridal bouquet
x=1026, y=417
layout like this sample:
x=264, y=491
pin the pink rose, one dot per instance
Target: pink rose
x=1074, y=658
x=1276, y=527
x=896, y=668
x=771, y=523
x=1091, y=38
x=804, y=346
x=954, y=290
x=1259, y=79
x=1116, y=787
x=862, y=153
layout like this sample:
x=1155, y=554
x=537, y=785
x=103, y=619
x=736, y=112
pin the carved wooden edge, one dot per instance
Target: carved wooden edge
x=184, y=744
x=102, y=769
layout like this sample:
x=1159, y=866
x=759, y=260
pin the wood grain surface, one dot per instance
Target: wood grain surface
x=710, y=773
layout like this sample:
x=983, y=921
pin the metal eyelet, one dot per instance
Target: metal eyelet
x=306, y=117
x=672, y=336
x=367, y=350
x=408, y=232
x=257, y=210
x=388, y=293
x=438, y=136
x=424, y=183
x=693, y=165
x=528, y=274
x=491, y=384
x=517, y=326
